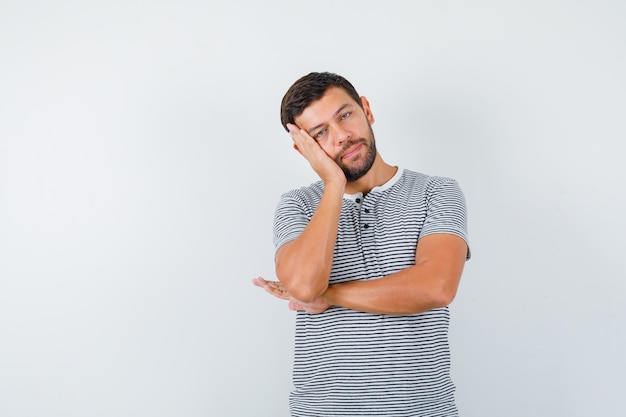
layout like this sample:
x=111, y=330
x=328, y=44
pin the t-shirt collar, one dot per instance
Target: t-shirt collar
x=378, y=188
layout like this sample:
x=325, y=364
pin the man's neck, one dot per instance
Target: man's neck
x=379, y=174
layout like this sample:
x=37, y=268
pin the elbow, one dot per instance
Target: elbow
x=442, y=298
x=443, y=289
x=305, y=289
x=306, y=294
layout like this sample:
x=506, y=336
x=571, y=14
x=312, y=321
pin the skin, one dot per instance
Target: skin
x=332, y=133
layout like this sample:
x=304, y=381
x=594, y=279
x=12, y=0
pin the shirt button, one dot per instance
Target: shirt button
x=358, y=200
x=367, y=210
x=365, y=226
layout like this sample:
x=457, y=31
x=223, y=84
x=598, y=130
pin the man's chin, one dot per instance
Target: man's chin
x=354, y=174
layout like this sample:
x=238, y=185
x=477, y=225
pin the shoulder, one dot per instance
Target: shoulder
x=309, y=195
x=426, y=183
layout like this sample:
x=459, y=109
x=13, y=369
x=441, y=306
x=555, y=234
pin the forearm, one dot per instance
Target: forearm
x=414, y=290
x=304, y=265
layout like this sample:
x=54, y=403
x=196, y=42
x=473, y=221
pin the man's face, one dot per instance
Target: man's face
x=343, y=130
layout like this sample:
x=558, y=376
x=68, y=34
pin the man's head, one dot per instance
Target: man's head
x=311, y=88
x=330, y=110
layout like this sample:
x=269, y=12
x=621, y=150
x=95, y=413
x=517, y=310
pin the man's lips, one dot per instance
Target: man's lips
x=352, y=151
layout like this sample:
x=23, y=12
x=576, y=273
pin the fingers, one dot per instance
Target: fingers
x=321, y=162
x=300, y=137
x=295, y=306
x=293, y=129
x=259, y=282
x=276, y=288
x=304, y=143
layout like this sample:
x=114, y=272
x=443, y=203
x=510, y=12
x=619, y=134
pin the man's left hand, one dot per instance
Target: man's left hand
x=278, y=290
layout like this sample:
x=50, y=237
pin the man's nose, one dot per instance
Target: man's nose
x=341, y=136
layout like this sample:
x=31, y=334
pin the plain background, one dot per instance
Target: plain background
x=141, y=159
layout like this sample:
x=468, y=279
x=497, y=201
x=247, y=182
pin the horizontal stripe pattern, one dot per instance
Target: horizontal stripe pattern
x=350, y=363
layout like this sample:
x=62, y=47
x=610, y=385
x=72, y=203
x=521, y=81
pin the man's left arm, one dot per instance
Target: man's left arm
x=431, y=283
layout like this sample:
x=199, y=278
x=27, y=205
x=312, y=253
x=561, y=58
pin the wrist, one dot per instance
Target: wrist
x=329, y=295
x=336, y=185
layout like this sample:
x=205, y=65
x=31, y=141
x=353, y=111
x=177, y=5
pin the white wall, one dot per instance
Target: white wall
x=141, y=158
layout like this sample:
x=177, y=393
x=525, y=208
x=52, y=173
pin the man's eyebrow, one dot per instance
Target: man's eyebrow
x=339, y=110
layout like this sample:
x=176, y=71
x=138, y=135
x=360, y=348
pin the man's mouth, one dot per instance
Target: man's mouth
x=352, y=151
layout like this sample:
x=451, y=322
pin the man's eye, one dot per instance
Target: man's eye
x=320, y=133
x=345, y=115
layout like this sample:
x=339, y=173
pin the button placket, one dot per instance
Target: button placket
x=367, y=220
x=368, y=234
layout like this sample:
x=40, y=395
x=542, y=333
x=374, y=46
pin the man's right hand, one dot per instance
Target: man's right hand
x=323, y=165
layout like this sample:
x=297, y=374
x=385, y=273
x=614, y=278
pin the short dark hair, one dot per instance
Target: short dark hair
x=310, y=88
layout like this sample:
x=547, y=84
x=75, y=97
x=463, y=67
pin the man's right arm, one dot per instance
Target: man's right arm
x=303, y=265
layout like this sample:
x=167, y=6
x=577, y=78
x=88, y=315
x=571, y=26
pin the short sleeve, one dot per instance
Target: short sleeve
x=446, y=210
x=289, y=222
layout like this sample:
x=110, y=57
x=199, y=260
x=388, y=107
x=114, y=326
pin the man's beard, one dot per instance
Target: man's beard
x=353, y=173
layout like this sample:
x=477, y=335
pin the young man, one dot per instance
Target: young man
x=370, y=257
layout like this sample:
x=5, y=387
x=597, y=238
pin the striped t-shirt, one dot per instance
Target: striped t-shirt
x=350, y=363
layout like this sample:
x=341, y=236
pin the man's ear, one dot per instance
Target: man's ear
x=367, y=110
